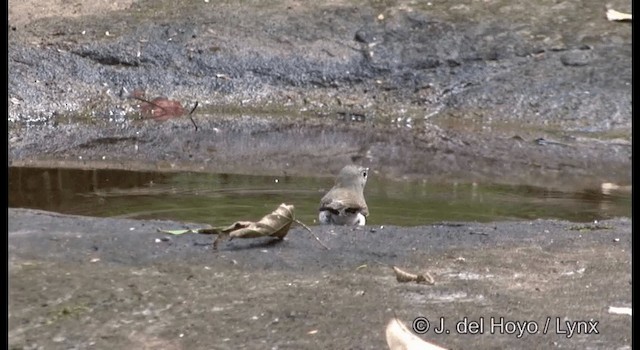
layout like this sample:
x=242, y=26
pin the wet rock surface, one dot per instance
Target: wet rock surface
x=449, y=85
x=80, y=281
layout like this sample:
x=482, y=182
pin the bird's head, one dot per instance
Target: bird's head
x=353, y=176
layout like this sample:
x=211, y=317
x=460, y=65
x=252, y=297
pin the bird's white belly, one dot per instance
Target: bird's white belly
x=325, y=217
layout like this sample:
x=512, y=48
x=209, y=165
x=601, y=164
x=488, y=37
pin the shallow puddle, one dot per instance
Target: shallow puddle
x=220, y=199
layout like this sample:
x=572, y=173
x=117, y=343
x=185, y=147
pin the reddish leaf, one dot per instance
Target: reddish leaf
x=161, y=108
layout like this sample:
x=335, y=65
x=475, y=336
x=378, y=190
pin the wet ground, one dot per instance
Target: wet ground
x=80, y=282
x=512, y=93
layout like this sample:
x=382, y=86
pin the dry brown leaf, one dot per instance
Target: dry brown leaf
x=276, y=224
x=404, y=276
x=399, y=337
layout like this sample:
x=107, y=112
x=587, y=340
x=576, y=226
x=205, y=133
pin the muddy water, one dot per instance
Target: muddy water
x=220, y=199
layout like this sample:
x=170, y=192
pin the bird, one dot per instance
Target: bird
x=344, y=204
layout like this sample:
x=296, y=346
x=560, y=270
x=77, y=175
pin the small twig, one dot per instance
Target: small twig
x=190, y=117
x=314, y=236
x=149, y=102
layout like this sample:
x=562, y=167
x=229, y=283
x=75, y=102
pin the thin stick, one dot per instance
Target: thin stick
x=190, y=117
x=314, y=236
x=149, y=102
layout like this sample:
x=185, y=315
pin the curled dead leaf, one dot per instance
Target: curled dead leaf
x=404, y=276
x=399, y=337
x=276, y=224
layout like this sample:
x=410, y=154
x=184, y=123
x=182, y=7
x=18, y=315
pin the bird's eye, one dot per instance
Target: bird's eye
x=364, y=174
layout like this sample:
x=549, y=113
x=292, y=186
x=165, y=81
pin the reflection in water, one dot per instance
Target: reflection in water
x=220, y=199
x=60, y=189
